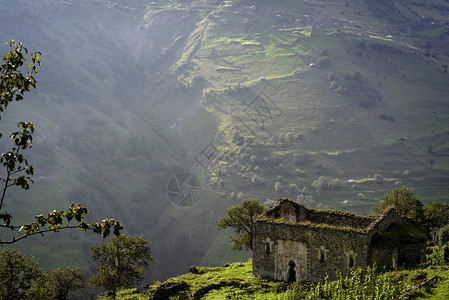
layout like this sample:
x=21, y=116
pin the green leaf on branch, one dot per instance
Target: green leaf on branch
x=6, y=218
x=13, y=85
x=83, y=225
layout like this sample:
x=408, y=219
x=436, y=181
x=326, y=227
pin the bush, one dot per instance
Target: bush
x=387, y=117
x=437, y=257
x=324, y=61
x=335, y=184
x=278, y=187
x=300, y=173
x=444, y=235
x=320, y=184
x=257, y=180
x=333, y=85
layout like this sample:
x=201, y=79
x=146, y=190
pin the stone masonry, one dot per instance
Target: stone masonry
x=293, y=242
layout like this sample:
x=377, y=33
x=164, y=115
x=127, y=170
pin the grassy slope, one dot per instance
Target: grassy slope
x=265, y=289
x=332, y=125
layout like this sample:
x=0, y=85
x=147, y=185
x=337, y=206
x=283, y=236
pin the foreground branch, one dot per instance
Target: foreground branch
x=55, y=221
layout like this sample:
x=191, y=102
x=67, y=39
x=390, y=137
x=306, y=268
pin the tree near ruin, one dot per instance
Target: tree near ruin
x=432, y=217
x=241, y=218
x=404, y=201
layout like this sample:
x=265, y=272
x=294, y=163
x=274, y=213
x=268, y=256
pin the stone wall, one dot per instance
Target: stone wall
x=385, y=221
x=411, y=255
x=384, y=258
x=293, y=242
x=314, y=251
x=407, y=255
x=295, y=212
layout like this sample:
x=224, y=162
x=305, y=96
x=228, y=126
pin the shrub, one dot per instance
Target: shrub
x=320, y=184
x=333, y=85
x=278, y=187
x=300, y=173
x=444, y=235
x=324, y=61
x=257, y=180
x=335, y=184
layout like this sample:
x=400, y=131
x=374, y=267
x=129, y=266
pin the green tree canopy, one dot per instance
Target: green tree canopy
x=436, y=214
x=18, y=274
x=122, y=261
x=58, y=283
x=404, y=201
x=241, y=218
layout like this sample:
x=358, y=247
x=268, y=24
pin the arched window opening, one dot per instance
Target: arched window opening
x=267, y=247
x=351, y=261
x=322, y=256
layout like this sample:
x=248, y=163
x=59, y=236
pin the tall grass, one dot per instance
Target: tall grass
x=357, y=284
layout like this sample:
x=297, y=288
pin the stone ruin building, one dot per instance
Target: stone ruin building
x=294, y=242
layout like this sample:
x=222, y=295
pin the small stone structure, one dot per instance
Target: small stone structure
x=294, y=242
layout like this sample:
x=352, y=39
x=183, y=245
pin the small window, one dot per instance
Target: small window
x=267, y=247
x=351, y=261
x=322, y=256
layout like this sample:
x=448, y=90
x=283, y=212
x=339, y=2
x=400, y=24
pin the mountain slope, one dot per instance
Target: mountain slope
x=265, y=99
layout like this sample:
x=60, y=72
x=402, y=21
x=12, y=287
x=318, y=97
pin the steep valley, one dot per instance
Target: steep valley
x=329, y=103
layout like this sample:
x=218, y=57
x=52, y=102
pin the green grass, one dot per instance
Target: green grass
x=240, y=272
x=257, y=288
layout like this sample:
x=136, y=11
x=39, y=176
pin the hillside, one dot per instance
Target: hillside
x=235, y=282
x=331, y=103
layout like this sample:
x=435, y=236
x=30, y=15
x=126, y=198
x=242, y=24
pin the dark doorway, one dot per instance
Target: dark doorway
x=291, y=272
